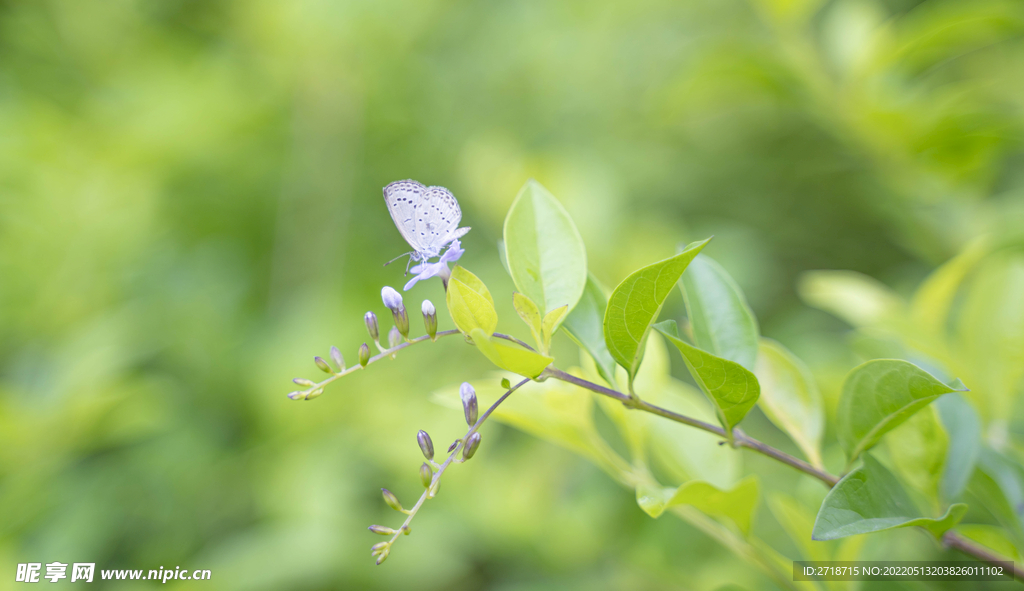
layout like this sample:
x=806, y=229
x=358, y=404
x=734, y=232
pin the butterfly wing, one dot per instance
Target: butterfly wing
x=404, y=199
x=445, y=216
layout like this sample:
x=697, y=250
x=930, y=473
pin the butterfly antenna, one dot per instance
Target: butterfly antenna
x=398, y=257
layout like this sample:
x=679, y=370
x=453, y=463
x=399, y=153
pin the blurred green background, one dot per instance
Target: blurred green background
x=190, y=209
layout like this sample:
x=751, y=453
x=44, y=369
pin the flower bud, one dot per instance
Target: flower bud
x=364, y=354
x=337, y=358
x=426, y=445
x=322, y=365
x=379, y=548
x=426, y=475
x=453, y=445
x=391, y=499
x=471, y=445
x=380, y=529
x=296, y=395
x=314, y=393
x=383, y=556
x=392, y=299
x=468, y=395
x=394, y=339
x=371, y=326
x=401, y=320
x=429, y=318
x=303, y=382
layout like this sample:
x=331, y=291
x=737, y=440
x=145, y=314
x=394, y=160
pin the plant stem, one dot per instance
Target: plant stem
x=384, y=353
x=451, y=457
x=951, y=538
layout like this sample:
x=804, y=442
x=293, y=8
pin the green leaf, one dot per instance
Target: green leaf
x=790, y=397
x=878, y=396
x=545, y=253
x=964, y=429
x=551, y=322
x=635, y=305
x=720, y=318
x=918, y=449
x=992, y=537
x=508, y=356
x=736, y=505
x=472, y=281
x=870, y=499
x=528, y=311
x=934, y=298
x=856, y=298
x=470, y=308
x=585, y=325
x=999, y=484
x=731, y=388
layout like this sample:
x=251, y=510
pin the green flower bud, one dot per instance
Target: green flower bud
x=322, y=365
x=379, y=548
x=401, y=320
x=303, y=382
x=471, y=445
x=364, y=354
x=391, y=499
x=393, y=337
x=383, y=556
x=426, y=475
x=426, y=445
x=381, y=530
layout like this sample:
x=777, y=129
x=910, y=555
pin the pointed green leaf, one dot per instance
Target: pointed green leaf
x=737, y=504
x=585, y=325
x=720, y=318
x=545, y=253
x=964, y=429
x=731, y=388
x=528, y=311
x=790, y=398
x=472, y=281
x=854, y=297
x=933, y=300
x=870, y=499
x=508, y=356
x=636, y=303
x=653, y=499
x=992, y=537
x=552, y=320
x=998, y=483
x=878, y=396
x=470, y=304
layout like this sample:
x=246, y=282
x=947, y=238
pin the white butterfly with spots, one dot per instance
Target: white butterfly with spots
x=427, y=217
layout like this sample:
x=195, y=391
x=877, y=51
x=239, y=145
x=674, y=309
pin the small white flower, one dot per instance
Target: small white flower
x=428, y=308
x=392, y=299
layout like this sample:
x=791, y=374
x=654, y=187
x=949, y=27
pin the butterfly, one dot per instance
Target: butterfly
x=427, y=217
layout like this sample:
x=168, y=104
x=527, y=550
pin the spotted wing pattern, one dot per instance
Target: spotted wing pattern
x=427, y=217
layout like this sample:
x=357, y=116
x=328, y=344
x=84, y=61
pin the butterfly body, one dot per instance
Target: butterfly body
x=427, y=217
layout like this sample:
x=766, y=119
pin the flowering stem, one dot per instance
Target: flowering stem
x=950, y=539
x=451, y=458
x=384, y=353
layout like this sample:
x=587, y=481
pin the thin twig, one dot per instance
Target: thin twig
x=384, y=353
x=451, y=457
